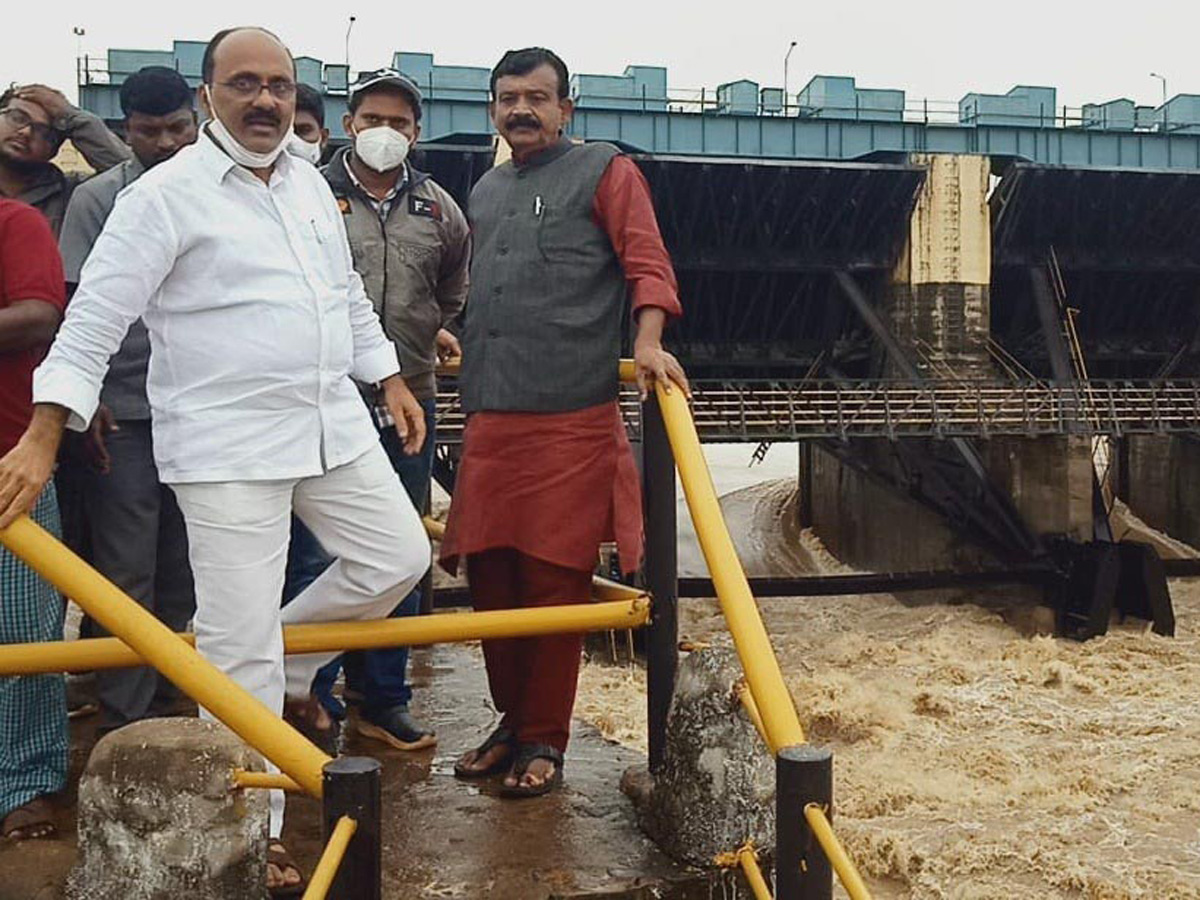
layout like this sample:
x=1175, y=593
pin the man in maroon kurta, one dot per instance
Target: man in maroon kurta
x=563, y=234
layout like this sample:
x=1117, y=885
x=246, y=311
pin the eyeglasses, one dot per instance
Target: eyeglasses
x=20, y=119
x=247, y=87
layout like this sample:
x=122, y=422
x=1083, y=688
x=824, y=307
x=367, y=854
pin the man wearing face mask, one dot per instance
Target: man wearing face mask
x=234, y=254
x=135, y=528
x=309, y=132
x=411, y=245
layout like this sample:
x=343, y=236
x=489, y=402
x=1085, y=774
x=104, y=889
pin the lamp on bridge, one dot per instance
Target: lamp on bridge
x=786, y=57
x=1163, y=79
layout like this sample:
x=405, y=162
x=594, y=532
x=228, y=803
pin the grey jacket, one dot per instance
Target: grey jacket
x=413, y=264
x=51, y=189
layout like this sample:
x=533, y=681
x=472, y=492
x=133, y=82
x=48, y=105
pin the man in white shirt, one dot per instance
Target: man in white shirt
x=235, y=257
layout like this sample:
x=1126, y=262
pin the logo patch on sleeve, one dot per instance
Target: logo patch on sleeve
x=344, y=205
x=420, y=206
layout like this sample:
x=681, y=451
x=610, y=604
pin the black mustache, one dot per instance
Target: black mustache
x=261, y=118
x=521, y=121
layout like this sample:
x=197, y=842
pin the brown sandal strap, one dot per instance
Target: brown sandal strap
x=279, y=857
x=35, y=814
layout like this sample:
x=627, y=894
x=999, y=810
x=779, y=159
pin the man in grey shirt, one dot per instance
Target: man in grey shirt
x=136, y=529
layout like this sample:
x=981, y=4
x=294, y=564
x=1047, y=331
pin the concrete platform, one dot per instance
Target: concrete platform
x=447, y=838
x=444, y=838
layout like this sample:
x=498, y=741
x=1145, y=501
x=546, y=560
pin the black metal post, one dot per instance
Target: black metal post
x=805, y=484
x=803, y=775
x=352, y=788
x=662, y=571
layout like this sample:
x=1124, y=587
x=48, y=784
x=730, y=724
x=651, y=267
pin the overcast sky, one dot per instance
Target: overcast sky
x=935, y=49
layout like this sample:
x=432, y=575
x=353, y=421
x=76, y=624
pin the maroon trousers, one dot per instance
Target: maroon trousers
x=532, y=680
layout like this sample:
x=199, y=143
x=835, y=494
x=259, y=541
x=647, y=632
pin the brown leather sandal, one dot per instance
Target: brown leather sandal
x=32, y=822
x=526, y=754
x=278, y=856
x=502, y=736
x=305, y=715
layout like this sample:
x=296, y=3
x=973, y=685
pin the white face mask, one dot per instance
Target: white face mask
x=302, y=149
x=236, y=152
x=381, y=148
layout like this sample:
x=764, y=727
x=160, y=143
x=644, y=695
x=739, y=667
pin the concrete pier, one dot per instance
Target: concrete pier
x=938, y=307
x=158, y=818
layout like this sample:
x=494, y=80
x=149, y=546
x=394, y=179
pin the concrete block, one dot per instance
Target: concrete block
x=716, y=787
x=158, y=817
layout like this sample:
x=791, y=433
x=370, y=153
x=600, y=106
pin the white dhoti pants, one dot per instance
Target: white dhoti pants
x=238, y=536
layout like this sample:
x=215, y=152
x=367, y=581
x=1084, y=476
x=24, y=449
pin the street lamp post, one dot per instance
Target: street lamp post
x=1163, y=79
x=80, y=69
x=786, y=57
x=349, y=28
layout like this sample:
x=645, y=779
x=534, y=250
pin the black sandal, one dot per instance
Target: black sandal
x=502, y=736
x=527, y=753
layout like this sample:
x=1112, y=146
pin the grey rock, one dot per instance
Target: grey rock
x=716, y=787
x=159, y=818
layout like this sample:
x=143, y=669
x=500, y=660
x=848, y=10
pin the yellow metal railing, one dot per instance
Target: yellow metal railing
x=838, y=858
x=331, y=859
x=750, y=638
x=763, y=693
x=143, y=639
x=266, y=780
x=746, y=858
x=112, y=653
x=165, y=651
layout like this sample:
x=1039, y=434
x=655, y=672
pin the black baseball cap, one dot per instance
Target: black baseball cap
x=392, y=77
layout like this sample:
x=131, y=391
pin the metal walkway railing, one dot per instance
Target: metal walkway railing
x=728, y=411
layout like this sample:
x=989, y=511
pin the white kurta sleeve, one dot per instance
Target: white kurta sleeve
x=134, y=253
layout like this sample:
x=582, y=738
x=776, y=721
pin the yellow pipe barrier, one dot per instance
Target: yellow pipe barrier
x=838, y=858
x=743, y=692
x=248, y=717
x=746, y=858
x=112, y=653
x=331, y=859
x=265, y=780
x=782, y=725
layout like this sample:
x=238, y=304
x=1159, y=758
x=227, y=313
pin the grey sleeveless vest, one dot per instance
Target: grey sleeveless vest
x=546, y=306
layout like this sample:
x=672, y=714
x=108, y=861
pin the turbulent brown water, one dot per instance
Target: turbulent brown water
x=974, y=759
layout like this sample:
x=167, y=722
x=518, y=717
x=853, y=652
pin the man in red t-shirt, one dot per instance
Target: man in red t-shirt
x=33, y=710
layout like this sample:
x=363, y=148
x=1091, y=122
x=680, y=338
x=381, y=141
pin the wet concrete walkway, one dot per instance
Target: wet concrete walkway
x=444, y=837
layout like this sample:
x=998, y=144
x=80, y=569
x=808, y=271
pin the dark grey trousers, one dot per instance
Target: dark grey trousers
x=139, y=543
